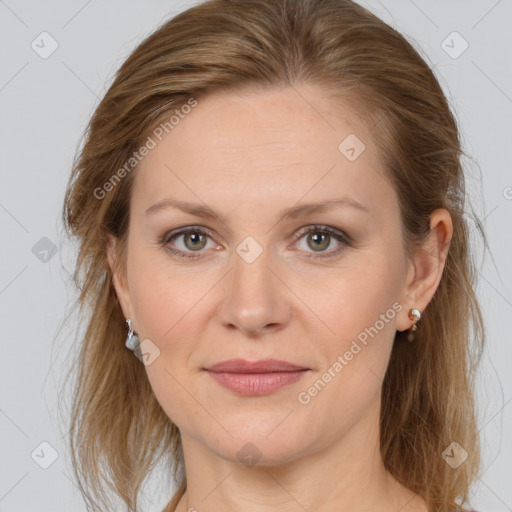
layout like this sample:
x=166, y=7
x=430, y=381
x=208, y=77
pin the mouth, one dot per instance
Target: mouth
x=255, y=378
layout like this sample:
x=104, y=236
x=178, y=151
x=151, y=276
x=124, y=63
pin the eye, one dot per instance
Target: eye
x=320, y=237
x=194, y=240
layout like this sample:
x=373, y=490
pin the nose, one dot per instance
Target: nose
x=254, y=297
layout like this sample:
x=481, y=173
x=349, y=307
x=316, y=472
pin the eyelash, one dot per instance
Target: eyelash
x=337, y=235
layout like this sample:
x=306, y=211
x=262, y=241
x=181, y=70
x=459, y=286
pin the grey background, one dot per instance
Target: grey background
x=45, y=104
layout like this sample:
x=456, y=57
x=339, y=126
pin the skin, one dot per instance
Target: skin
x=250, y=155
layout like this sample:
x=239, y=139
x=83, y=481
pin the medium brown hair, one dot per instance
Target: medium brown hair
x=118, y=429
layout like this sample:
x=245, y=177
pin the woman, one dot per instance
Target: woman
x=269, y=207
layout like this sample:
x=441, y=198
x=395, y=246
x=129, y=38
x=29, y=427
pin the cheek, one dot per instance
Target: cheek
x=163, y=298
x=358, y=308
x=349, y=300
x=166, y=304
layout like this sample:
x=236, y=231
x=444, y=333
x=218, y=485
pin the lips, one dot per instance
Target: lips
x=255, y=378
x=262, y=366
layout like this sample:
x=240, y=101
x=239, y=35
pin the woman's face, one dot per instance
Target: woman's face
x=259, y=284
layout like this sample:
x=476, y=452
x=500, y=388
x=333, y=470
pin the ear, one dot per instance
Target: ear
x=119, y=278
x=426, y=269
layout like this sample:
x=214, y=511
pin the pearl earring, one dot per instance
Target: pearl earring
x=132, y=340
x=414, y=315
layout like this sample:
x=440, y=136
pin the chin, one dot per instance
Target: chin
x=260, y=453
x=262, y=440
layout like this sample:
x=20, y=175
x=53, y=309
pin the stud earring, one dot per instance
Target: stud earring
x=414, y=315
x=132, y=340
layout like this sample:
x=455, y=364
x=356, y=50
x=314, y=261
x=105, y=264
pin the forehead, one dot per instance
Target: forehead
x=260, y=146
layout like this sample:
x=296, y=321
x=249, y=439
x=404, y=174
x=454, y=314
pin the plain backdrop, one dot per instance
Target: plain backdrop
x=46, y=101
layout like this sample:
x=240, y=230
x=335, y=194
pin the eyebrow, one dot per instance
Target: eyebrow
x=299, y=210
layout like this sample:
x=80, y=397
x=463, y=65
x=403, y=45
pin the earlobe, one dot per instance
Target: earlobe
x=407, y=301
